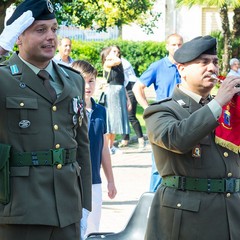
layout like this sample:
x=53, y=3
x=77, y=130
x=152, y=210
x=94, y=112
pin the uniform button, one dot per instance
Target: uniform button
x=225, y=154
x=57, y=146
x=22, y=104
x=59, y=166
x=229, y=174
x=54, y=108
x=228, y=195
x=179, y=205
x=55, y=127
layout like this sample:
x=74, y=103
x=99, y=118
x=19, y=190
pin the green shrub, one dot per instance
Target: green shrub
x=140, y=54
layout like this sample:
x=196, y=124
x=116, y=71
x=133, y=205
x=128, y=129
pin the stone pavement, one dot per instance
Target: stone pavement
x=132, y=170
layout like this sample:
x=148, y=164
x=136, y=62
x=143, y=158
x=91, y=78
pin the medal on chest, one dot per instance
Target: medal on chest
x=78, y=105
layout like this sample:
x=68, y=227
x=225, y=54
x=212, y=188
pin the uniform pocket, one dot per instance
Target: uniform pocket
x=21, y=113
x=179, y=202
x=19, y=190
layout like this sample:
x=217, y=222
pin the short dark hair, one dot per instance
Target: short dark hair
x=84, y=67
x=61, y=38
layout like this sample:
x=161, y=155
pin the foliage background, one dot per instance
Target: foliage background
x=140, y=54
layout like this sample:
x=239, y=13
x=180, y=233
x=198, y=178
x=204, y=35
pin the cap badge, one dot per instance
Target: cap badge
x=50, y=6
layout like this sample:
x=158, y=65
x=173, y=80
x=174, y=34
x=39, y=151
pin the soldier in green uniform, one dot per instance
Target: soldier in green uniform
x=45, y=169
x=199, y=196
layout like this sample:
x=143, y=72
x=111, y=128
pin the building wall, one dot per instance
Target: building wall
x=188, y=22
x=134, y=33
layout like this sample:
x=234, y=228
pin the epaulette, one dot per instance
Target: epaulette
x=161, y=101
x=68, y=68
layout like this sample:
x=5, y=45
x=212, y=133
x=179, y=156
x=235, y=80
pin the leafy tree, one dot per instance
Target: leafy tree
x=236, y=23
x=100, y=14
x=3, y=6
x=223, y=6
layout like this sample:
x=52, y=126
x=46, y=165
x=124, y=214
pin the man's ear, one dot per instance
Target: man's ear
x=19, y=41
x=167, y=47
x=181, y=68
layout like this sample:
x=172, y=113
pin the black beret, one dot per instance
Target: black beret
x=41, y=10
x=194, y=48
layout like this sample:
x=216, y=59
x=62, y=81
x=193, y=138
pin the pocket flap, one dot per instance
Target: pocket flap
x=180, y=201
x=21, y=102
x=4, y=154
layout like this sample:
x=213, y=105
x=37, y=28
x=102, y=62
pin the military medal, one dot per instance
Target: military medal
x=74, y=119
x=78, y=106
x=80, y=121
x=196, y=152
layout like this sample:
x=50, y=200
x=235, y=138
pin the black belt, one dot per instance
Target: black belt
x=43, y=158
x=222, y=185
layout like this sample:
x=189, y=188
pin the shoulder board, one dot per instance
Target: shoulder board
x=63, y=66
x=161, y=101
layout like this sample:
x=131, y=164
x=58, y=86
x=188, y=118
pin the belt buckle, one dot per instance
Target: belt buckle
x=230, y=185
x=57, y=156
x=182, y=183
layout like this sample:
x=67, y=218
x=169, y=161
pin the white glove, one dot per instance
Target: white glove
x=11, y=32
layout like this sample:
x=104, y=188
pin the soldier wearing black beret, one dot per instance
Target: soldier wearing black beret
x=41, y=10
x=194, y=48
x=45, y=169
x=201, y=179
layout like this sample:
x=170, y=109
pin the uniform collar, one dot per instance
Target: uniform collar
x=193, y=95
x=35, y=69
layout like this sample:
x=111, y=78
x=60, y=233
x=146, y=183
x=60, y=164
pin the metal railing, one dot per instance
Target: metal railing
x=87, y=34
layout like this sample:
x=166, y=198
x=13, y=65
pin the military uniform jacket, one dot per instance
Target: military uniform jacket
x=174, y=130
x=44, y=194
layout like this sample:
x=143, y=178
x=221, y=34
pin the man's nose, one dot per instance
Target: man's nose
x=212, y=66
x=51, y=34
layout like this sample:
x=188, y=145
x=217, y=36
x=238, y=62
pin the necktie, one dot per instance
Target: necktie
x=205, y=101
x=44, y=75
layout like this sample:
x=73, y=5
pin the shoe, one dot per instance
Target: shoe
x=123, y=144
x=114, y=150
x=141, y=143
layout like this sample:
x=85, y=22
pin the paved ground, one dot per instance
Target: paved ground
x=132, y=170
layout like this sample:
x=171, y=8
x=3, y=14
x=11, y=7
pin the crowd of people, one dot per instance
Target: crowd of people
x=55, y=137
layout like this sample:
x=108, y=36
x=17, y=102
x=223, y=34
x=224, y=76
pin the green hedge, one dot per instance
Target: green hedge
x=140, y=54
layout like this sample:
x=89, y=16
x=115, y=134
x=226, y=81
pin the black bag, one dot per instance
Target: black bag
x=4, y=173
x=103, y=99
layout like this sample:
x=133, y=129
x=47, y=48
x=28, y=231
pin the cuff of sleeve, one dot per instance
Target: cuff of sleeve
x=215, y=108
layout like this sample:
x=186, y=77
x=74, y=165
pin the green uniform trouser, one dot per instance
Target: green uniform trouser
x=39, y=232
